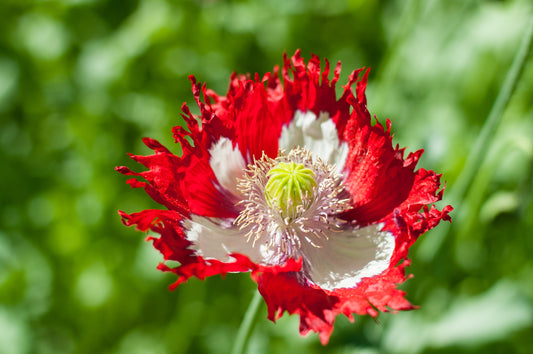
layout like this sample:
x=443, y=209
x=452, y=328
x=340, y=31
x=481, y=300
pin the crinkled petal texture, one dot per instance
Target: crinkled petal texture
x=391, y=202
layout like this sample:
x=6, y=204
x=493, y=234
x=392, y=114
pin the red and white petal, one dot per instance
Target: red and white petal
x=219, y=238
x=254, y=113
x=374, y=294
x=347, y=257
x=318, y=308
x=227, y=164
x=173, y=243
x=318, y=135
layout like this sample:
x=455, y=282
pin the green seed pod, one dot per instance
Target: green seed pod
x=289, y=185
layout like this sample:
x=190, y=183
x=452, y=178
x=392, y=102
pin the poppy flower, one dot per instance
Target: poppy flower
x=281, y=179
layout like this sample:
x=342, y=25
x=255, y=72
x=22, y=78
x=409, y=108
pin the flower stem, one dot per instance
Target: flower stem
x=245, y=329
x=477, y=155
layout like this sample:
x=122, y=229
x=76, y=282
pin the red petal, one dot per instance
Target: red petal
x=285, y=293
x=255, y=114
x=185, y=184
x=378, y=178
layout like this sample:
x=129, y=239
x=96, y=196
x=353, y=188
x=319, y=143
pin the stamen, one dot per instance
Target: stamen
x=291, y=199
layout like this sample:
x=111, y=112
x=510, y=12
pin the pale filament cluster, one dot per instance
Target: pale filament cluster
x=310, y=219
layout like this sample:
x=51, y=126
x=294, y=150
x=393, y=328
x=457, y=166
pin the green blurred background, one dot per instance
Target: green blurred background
x=82, y=81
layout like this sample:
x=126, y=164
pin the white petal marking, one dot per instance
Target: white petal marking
x=227, y=164
x=317, y=135
x=217, y=238
x=347, y=257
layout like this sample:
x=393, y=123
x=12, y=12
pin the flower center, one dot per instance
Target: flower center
x=290, y=188
x=292, y=199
